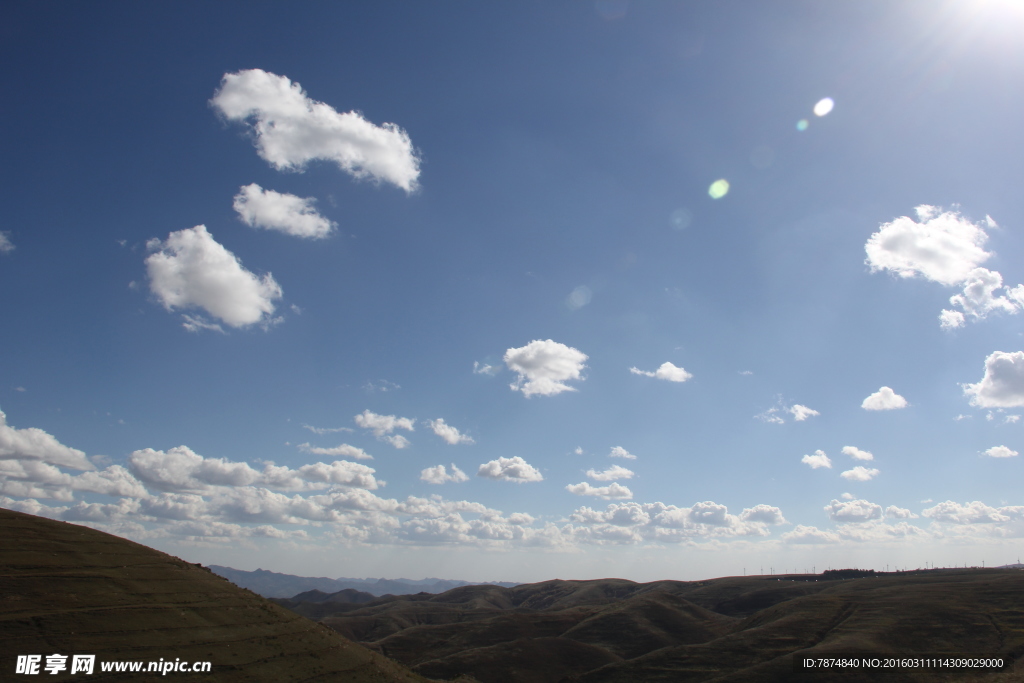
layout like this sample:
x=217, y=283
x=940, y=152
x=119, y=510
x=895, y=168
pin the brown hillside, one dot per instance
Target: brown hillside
x=69, y=589
x=732, y=629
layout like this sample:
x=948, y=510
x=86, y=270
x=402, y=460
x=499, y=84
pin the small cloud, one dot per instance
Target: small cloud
x=344, y=450
x=1003, y=383
x=620, y=452
x=1000, y=452
x=801, y=413
x=963, y=417
x=382, y=386
x=857, y=454
x=6, y=245
x=438, y=475
x=884, y=399
x=579, y=450
x=287, y=213
x=19, y=388
x=746, y=372
x=397, y=440
x=509, y=469
x=950, y=320
x=295, y=309
x=893, y=512
x=612, y=473
x=847, y=496
x=484, y=369
x=383, y=425
x=666, y=371
x=853, y=511
x=771, y=416
x=450, y=434
x=819, y=459
x=1011, y=419
x=327, y=430
x=614, y=491
x=195, y=323
x=859, y=473
x=544, y=367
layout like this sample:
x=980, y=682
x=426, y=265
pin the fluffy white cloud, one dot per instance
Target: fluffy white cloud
x=666, y=371
x=35, y=444
x=857, y=454
x=853, y=511
x=968, y=513
x=6, y=245
x=1000, y=452
x=620, y=452
x=819, y=459
x=801, y=413
x=1003, y=383
x=979, y=299
x=290, y=130
x=509, y=469
x=860, y=473
x=544, y=366
x=809, y=535
x=181, y=470
x=884, y=399
x=438, y=475
x=893, y=512
x=191, y=269
x=34, y=478
x=449, y=433
x=259, y=208
x=610, y=474
x=768, y=514
x=344, y=450
x=943, y=246
x=484, y=369
x=383, y=425
x=614, y=491
x=950, y=320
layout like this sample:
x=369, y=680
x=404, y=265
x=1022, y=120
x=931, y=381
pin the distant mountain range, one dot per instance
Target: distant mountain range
x=274, y=585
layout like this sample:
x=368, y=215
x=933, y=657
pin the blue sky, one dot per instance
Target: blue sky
x=482, y=236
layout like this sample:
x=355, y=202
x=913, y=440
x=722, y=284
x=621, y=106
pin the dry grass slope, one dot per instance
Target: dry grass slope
x=70, y=589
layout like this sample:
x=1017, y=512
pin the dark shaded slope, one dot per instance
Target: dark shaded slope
x=70, y=589
x=730, y=629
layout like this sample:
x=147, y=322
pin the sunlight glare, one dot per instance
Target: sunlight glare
x=824, y=106
x=719, y=188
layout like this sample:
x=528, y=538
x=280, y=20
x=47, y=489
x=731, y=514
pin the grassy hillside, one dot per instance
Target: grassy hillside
x=70, y=589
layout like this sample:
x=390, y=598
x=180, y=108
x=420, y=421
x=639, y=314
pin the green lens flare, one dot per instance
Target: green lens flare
x=719, y=188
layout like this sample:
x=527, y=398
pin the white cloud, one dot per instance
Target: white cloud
x=438, y=475
x=510, y=469
x=860, y=473
x=1003, y=383
x=978, y=298
x=968, y=513
x=857, y=454
x=944, y=246
x=195, y=323
x=950, y=320
x=291, y=130
x=6, y=245
x=614, y=491
x=666, y=371
x=610, y=474
x=484, y=369
x=544, y=367
x=287, y=213
x=620, y=452
x=327, y=430
x=809, y=535
x=819, y=459
x=771, y=416
x=450, y=434
x=383, y=425
x=884, y=399
x=801, y=413
x=947, y=248
x=1011, y=419
x=1001, y=452
x=344, y=450
x=35, y=444
x=769, y=514
x=853, y=511
x=192, y=269
x=893, y=512
x=579, y=450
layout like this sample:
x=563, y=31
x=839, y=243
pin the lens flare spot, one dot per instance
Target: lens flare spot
x=719, y=188
x=823, y=106
x=680, y=219
x=579, y=297
x=801, y=125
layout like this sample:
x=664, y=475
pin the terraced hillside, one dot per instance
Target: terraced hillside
x=732, y=629
x=69, y=589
